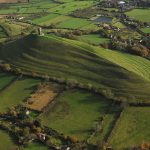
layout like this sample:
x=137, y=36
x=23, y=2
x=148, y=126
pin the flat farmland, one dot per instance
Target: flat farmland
x=93, y=39
x=69, y=7
x=73, y=23
x=132, y=129
x=6, y=141
x=51, y=19
x=140, y=14
x=16, y=93
x=146, y=30
x=76, y=113
x=35, y=146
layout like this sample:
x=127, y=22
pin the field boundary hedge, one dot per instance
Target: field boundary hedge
x=115, y=125
x=11, y=83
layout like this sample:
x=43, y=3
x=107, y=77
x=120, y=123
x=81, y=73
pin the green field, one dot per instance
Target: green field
x=6, y=142
x=35, y=146
x=132, y=129
x=73, y=23
x=45, y=6
x=16, y=93
x=140, y=14
x=69, y=7
x=81, y=64
x=5, y=79
x=45, y=20
x=76, y=113
x=146, y=30
x=93, y=39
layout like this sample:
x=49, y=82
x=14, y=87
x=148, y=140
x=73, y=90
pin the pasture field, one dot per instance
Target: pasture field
x=5, y=79
x=107, y=125
x=132, y=129
x=6, y=141
x=69, y=7
x=45, y=20
x=35, y=146
x=146, y=30
x=93, y=39
x=74, y=23
x=16, y=93
x=139, y=14
x=82, y=62
x=51, y=19
x=76, y=113
x=13, y=29
x=45, y=6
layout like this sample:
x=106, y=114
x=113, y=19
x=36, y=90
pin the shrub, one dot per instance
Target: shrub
x=138, y=49
x=6, y=67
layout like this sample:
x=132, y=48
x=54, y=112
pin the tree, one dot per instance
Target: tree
x=7, y=67
x=139, y=49
x=26, y=131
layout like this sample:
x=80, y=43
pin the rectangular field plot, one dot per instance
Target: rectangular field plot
x=5, y=79
x=146, y=30
x=132, y=129
x=76, y=113
x=45, y=20
x=69, y=7
x=140, y=14
x=16, y=93
x=74, y=23
x=93, y=39
x=51, y=19
x=42, y=97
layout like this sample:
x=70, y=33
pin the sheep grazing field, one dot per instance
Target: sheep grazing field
x=74, y=75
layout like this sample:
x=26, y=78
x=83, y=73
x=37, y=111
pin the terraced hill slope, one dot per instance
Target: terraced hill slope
x=57, y=58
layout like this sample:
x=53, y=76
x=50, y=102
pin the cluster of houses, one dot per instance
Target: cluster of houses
x=109, y=27
x=14, y=17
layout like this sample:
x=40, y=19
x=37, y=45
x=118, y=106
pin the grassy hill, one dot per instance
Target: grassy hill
x=58, y=58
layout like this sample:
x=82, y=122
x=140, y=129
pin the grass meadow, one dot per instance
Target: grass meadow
x=132, y=129
x=16, y=93
x=76, y=113
x=140, y=14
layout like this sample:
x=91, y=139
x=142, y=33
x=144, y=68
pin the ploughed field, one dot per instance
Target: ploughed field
x=73, y=60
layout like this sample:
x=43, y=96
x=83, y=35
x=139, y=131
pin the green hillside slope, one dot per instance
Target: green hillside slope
x=133, y=63
x=56, y=58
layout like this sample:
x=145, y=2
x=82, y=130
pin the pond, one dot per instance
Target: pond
x=103, y=19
